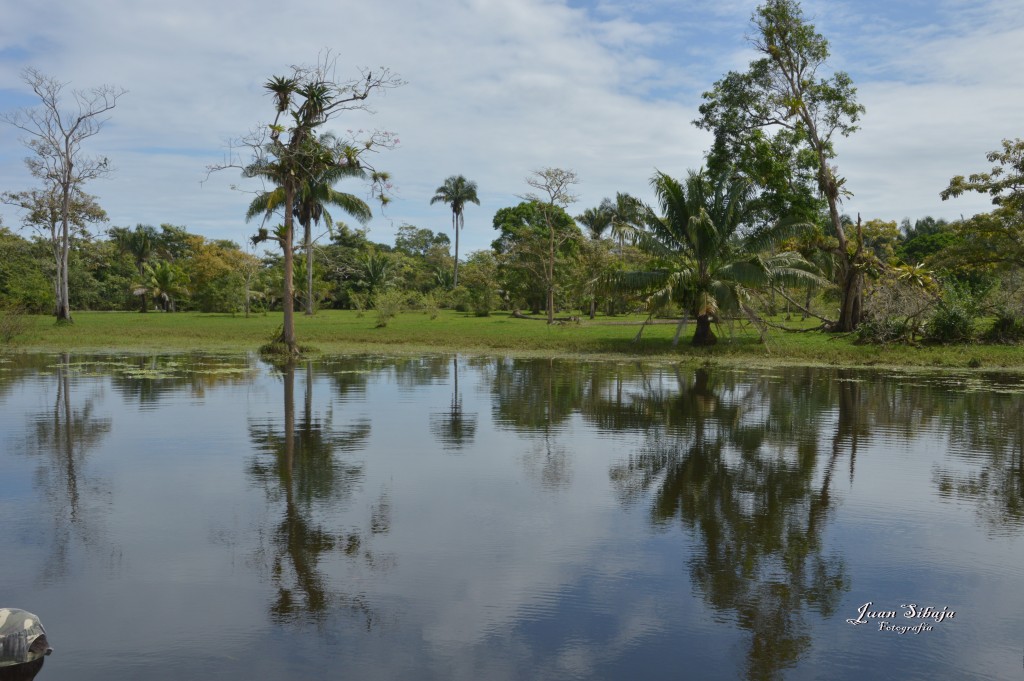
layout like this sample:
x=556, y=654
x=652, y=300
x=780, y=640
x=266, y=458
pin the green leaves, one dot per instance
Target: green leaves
x=1005, y=182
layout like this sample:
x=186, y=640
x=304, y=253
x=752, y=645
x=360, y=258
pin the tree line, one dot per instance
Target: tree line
x=758, y=230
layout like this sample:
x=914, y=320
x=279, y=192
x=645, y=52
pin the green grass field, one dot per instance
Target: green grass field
x=333, y=332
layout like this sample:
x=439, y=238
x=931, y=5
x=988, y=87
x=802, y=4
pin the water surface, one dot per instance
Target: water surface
x=458, y=518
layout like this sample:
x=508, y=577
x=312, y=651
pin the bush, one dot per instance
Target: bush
x=431, y=305
x=1007, y=328
x=388, y=304
x=953, y=319
x=359, y=302
x=13, y=323
x=882, y=331
x=895, y=310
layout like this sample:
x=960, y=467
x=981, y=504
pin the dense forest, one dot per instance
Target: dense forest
x=758, y=233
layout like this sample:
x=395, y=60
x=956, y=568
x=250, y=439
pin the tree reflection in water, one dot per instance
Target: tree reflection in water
x=454, y=428
x=986, y=429
x=65, y=435
x=299, y=469
x=722, y=467
x=537, y=398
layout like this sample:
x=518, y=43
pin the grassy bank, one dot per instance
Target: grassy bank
x=341, y=332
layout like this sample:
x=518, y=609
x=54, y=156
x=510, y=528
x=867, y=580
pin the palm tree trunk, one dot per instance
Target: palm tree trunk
x=455, y=225
x=308, y=245
x=703, y=336
x=288, y=301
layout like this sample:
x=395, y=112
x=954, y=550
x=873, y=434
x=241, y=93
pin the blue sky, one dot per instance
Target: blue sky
x=498, y=88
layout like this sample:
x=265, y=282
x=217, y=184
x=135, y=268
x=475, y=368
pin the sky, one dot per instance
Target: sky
x=496, y=89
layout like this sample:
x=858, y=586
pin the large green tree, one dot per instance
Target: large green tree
x=62, y=221
x=23, y=283
x=700, y=258
x=456, y=191
x=553, y=195
x=536, y=244
x=994, y=239
x=783, y=107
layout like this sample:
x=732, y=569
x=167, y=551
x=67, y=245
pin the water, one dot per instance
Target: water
x=485, y=518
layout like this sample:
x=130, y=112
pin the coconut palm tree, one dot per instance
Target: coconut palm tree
x=625, y=216
x=165, y=282
x=314, y=194
x=597, y=220
x=700, y=258
x=137, y=243
x=456, y=192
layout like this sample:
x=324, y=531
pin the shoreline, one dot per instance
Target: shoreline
x=336, y=333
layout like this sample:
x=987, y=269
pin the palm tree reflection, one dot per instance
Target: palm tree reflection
x=454, y=428
x=752, y=505
x=299, y=469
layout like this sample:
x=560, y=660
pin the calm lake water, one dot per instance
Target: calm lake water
x=458, y=518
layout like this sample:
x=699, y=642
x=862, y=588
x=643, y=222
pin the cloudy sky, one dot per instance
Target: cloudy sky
x=498, y=88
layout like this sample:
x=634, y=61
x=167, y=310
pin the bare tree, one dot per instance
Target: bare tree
x=554, y=183
x=55, y=136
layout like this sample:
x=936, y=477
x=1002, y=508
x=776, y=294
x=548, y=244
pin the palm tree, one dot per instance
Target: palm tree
x=456, y=192
x=625, y=215
x=314, y=193
x=137, y=243
x=165, y=282
x=375, y=271
x=701, y=260
x=597, y=220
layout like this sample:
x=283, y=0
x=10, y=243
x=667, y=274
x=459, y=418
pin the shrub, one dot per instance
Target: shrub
x=1007, y=328
x=359, y=302
x=953, y=319
x=431, y=305
x=388, y=304
x=13, y=323
x=884, y=330
x=895, y=309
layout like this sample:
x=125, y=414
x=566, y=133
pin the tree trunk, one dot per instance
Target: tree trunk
x=593, y=307
x=63, y=296
x=288, y=301
x=308, y=245
x=455, y=225
x=551, y=272
x=850, y=307
x=703, y=336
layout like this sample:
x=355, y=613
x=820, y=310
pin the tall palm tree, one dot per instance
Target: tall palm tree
x=139, y=244
x=456, y=192
x=314, y=194
x=700, y=258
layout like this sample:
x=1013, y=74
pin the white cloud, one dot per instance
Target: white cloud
x=497, y=88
